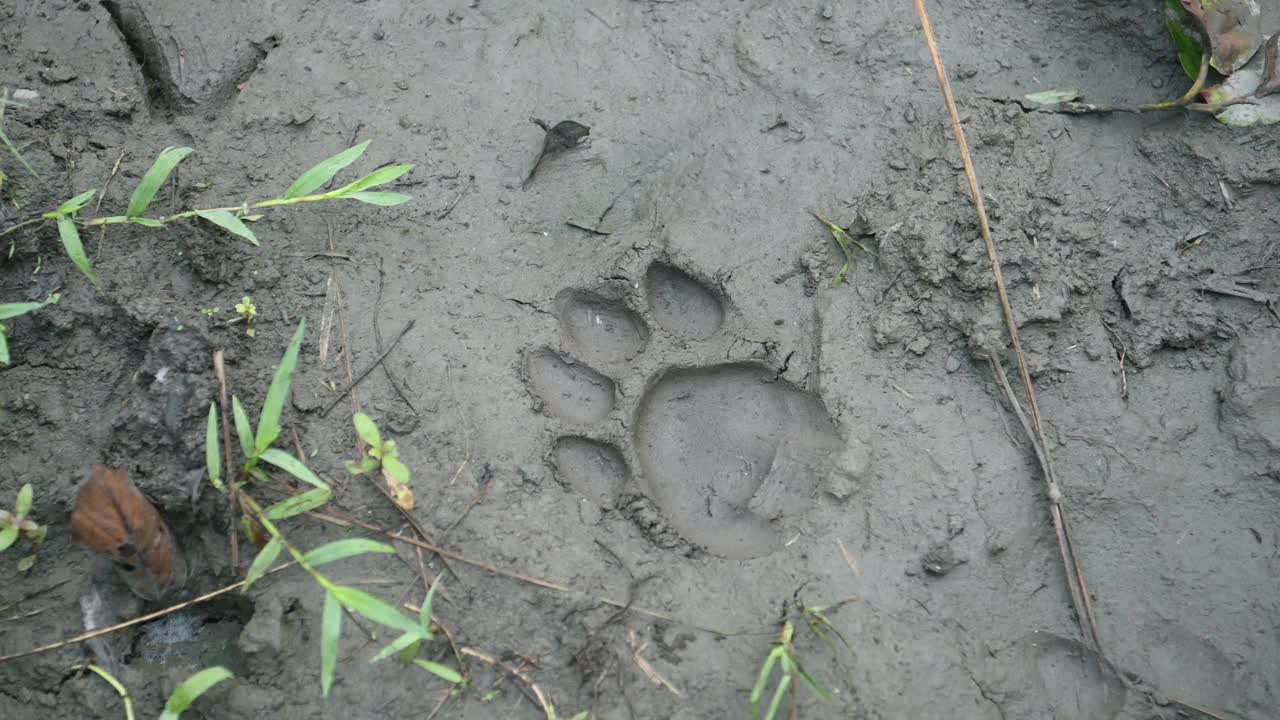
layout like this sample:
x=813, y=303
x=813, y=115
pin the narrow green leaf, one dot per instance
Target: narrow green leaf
x=381, y=176
x=424, y=614
x=367, y=430
x=147, y=222
x=273, y=406
x=324, y=171
x=778, y=696
x=341, y=549
x=330, y=633
x=14, y=150
x=12, y=310
x=1052, y=97
x=155, y=177
x=444, y=672
x=762, y=680
x=385, y=199
x=25, y=496
x=244, y=428
x=213, y=448
x=8, y=536
x=365, y=465
x=73, y=206
x=396, y=469
x=71, y=243
x=4, y=347
x=230, y=223
x=191, y=688
x=298, y=504
x=404, y=642
x=261, y=564
x=257, y=473
x=378, y=611
x=293, y=466
x=818, y=691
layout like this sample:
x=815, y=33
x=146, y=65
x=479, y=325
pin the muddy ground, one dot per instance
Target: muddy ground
x=634, y=377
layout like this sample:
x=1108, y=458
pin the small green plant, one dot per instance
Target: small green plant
x=232, y=218
x=246, y=313
x=190, y=689
x=406, y=646
x=256, y=446
x=19, y=523
x=846, y=243
x=783, y=655
x=12, y=310
x=383, y=456
x=209, y=312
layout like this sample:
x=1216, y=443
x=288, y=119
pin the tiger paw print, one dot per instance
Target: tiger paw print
x=666, y=412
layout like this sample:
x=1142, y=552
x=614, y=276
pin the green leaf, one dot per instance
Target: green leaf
x=381, y=176
x=191, y=688
x=341, y=549
x=273, y=406
x=244, y=428
x=1052, y=97
x=378, y=611
x=367, y=430
x=324, y=172
x=778, y=696
x=293, y=466
x=230, y=223
x=14, y=150
x=27, y=563
x=298, y=504
x=424, y=614
x=147, y=222
x=71, y=243
x=1187, y=37
x=396, y=469
x=261, y=564
x=846, y=244
x=444, y=672
x=818, y=691
x=12, y=310
x=385, y=199
x=402, y=643
x=330, y=633
x=73, y=206
x=8, y=536
x=4, y=347
x=23, y=507
x=155, y=177
x=762, y=680
x=213, y=448
x=365, y=465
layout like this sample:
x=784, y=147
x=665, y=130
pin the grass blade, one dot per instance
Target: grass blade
x=399, y=644
x=761, y=681
x=230, y=223
x=444, y=672
x=293, y=466
x=213, y=449
x=155, y=177
x=385, y=199
x=298, y=504
x=778, y=695
x=378, y=611
x=818, y=691
x=244, y=428
x=14, y=149
x=341, y=549
x=191, y=688
x=12, y=310
x=261, y=564
x=71, y=243
x=273, y=406
x=330, y=633
x=23, y=507
x=381, y=176
x=74, y=205
x=323, y=172
x=367, y=430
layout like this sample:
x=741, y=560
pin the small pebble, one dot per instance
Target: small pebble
x=828, y=12
x=952, y=364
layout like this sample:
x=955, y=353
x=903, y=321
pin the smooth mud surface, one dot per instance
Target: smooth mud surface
x=629, y=373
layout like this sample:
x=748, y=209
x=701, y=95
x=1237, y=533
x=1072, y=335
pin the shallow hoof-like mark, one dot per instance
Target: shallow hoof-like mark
x=1071, y=681
x=1189, y=667
x=594, y=469
x=603, y=330
x=725, y=449
x=681, y=305
x=573, y=392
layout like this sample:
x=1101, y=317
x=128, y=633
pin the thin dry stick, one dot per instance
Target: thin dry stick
x=1075, y=575
x=138, y=620
x=98, y=208
x=233, y=492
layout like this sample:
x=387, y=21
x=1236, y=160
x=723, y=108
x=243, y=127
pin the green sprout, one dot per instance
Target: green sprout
x=846, y=243
x=383, y=456
x=18, y=523
x=12, y=310
x=190, y=689
x=247, y=312
x=783, y=655
x=209, y=312
x=232, y=218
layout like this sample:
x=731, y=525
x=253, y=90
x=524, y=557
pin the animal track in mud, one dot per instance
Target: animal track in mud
x=711, y=455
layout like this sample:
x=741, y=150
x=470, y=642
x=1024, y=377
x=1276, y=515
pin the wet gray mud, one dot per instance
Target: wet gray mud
x=632, y=375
